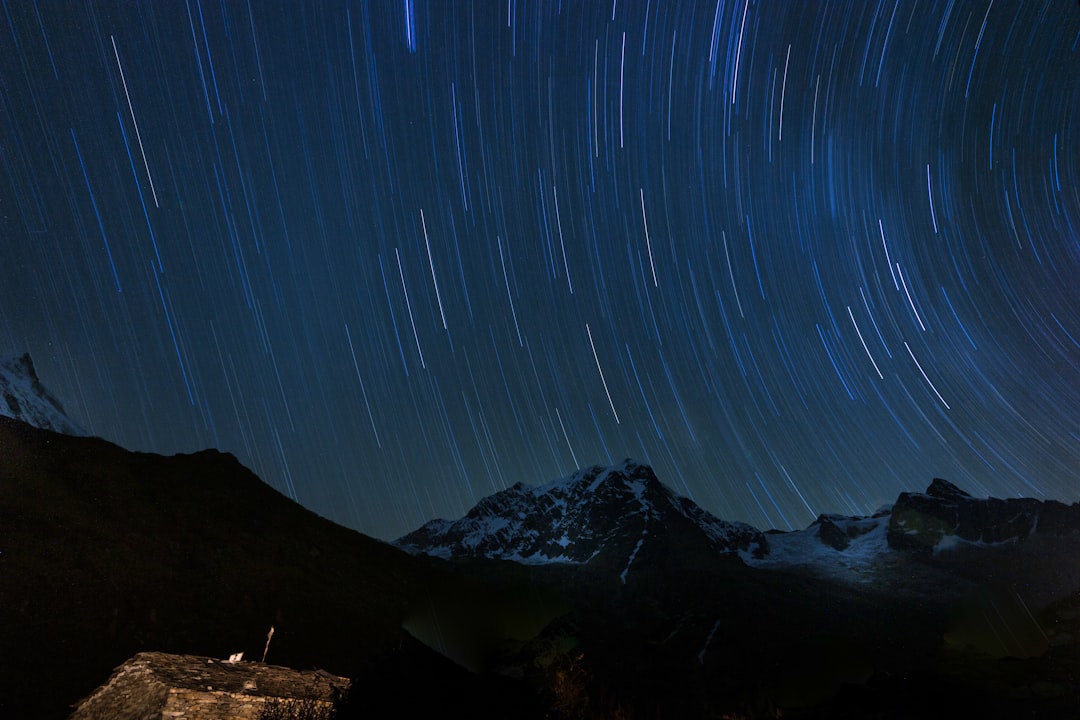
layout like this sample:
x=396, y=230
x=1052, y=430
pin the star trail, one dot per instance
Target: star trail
x=396, y=256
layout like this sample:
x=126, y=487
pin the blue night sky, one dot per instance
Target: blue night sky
x=396, y=256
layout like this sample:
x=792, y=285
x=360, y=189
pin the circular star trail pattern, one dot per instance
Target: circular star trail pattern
x=398, y=256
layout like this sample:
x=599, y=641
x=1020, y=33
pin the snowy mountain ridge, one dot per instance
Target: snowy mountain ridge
x=23, y=397
x=623, y=509
x=573, y=519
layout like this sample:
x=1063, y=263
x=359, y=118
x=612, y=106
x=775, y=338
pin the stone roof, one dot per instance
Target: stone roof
x=202, y=673
x=142, y=686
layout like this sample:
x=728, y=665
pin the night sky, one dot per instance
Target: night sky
x=397, y=256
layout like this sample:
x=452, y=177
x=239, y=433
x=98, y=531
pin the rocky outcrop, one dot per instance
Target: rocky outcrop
x=837, y=532
x=187, y=687
x=945, y=515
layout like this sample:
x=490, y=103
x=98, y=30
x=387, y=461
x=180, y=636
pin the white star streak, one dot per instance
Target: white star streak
x=926, y=378
x=602, y=380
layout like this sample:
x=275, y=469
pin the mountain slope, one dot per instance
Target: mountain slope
x=106, y=552
x=23, y=397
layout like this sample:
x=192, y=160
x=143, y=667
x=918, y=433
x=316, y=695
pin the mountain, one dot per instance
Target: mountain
x=938, y=605
x=23, y=397
x=615, y=511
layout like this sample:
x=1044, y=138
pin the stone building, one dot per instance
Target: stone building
x=160, y=686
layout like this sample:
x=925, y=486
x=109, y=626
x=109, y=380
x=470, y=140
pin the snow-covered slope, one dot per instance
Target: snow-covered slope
x=844, y=548
x=616, y=510
x=23, y=397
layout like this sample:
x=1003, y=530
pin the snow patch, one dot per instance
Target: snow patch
x=708, y=640
x=600, y=478
x=633, y=554
x=537, y=558
x=949, y=543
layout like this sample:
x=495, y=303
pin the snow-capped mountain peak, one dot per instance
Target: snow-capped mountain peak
x=23, y=397
x=615, y=510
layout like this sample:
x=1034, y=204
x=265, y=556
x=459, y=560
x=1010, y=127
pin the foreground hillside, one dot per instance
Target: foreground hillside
x=105, y=553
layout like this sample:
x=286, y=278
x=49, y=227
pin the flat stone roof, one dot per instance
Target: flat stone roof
x=193, y=672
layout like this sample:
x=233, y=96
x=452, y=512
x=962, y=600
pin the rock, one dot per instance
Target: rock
x=1060, y=639
x=831, y=534
x=945, y=490
x=1043, y=689
x=920, y=522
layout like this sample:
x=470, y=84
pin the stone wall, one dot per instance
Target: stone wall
x=202, y=705
x=159, y=686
